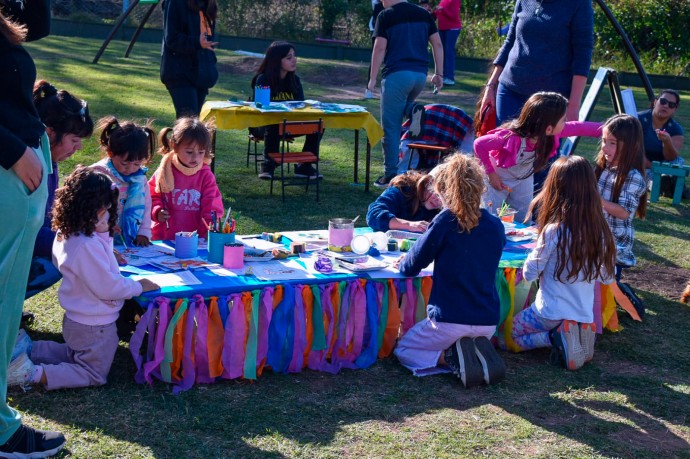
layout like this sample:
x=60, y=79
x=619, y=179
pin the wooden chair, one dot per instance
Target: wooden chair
x=426, y=150
x=288, y=130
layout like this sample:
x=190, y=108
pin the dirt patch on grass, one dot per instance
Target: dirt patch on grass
x=667, y=281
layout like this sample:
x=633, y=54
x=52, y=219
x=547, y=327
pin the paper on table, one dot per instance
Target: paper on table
x=176, y=279
x=134, y=270
x=259, y=243
x=281, y=270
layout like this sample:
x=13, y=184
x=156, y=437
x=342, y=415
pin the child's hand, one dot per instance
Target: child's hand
x=418, y=227
x=396, y=263
x=122, y=261
x=162, y=216
x=496, y=182
x=148, y=285
x=142, y=241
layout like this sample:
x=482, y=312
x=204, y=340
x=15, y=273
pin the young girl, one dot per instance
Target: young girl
x=277, y=71
x=463, y=308
x=183, y=189
x=409, y=203
x=568, y=258
x=92, y=290
x=620, y=174
x=129, y=147
x=67, y=122
x=513, y=152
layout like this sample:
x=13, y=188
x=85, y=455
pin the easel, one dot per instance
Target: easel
x=604, y=74
x=119, y=23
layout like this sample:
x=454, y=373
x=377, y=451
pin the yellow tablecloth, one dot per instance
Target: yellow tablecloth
x=237, y=117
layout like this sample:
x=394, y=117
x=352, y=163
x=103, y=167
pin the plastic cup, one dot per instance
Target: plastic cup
x=186, y=245
x=340, y=234
x=233, y=256
x=508, y=216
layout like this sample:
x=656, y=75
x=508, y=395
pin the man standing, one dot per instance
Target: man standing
x=402, y=31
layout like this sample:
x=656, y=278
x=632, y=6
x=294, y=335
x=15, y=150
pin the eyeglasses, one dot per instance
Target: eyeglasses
x=665, y=101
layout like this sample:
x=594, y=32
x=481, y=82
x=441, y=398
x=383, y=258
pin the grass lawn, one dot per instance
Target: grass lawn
x=632, y=401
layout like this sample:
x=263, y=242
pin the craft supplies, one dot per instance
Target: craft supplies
x=262, y=96
x=186, y=244
x=506, y=213
x=340, y=234
x=406, y=244
x=233, y=255
x=323, y=264
x=272, y=237
x=216, y=242
x=378, y=240
x=360, y=244
x=392, y=245
x=298, y=247
x=280, y=253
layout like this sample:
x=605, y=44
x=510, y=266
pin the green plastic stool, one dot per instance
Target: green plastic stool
x=668, y=169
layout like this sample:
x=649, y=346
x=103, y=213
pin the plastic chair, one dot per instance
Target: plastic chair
x=287, y=131
x=674, y=170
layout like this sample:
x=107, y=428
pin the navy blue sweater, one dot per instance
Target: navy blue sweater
x=392, y=203
x=543, y=51
x=465, y=264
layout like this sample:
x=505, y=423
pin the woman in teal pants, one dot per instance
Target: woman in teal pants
x=23, y=195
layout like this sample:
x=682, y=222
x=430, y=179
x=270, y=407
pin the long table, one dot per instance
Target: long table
x=228, y=116
x=235, y=327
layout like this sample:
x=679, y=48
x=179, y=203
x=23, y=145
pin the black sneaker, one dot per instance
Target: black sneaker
x=306, y=170
x=493, y=367
x=471, y=372
x=27, y=317
x=637, y=303
x=32, y=443
x=267, y=169
x=383, y=181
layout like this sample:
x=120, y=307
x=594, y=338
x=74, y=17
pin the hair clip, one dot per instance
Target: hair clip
x=113, y=186
x=83, y=110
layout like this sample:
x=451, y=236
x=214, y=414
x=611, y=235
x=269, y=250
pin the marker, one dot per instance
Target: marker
x=123, y=240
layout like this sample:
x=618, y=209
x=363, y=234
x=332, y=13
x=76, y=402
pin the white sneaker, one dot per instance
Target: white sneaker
x=22, y=344
x=20, y=371
x=368, y=94
x=448, y=82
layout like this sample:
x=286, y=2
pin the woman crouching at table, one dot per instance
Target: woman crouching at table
x=409, y=203
x=465, y=242
x=277, y=72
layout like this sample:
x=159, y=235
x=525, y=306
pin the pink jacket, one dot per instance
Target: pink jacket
x=500, y=147
x=92, y=290
x=448, y=14
x=193, y=198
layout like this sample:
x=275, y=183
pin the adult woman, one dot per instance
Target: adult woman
x=188, y=58
x=23, y=195
x=409, y=203
x=67, y=121
x=548, y=48
x=277, y=71
x=447, y=13
x=663, y=136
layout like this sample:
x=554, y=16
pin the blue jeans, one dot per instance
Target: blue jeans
x=449, y=38
x=508, y=104
x=187, y=100
x=398, y=92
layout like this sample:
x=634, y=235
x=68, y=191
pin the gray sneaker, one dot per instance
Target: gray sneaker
x=20, y=371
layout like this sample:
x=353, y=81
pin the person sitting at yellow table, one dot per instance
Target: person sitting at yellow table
x=277, y=72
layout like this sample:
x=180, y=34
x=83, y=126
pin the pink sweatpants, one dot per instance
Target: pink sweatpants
x=420, y=348
x=83, y=360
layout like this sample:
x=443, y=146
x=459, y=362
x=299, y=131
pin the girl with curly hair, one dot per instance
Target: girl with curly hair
x=568, y=258
x=409, y=203
x=465, y=243
x=129, y=147
x=92, y=290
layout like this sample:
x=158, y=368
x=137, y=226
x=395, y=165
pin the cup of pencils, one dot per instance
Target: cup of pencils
x=220, y=233
x=186, y=244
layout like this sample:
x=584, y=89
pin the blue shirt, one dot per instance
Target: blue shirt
x=465, y=264
x=543, y=52
x=407, y=29
x=392, y=203
x=653, y=147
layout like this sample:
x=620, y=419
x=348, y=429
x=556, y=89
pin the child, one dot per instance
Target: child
x=463, y=308
x=183, y=189
x=409, y=203
x=513, y=152
x=129, y=147
x=92, y=290
x=277, y=71
x=568, y=258
x=620, y=174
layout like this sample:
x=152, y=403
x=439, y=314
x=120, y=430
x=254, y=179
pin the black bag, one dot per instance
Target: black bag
x=207, y=73
x=637, y=303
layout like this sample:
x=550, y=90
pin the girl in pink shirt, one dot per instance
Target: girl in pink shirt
x=92, y=290
x=183, y=189
x=513, y=152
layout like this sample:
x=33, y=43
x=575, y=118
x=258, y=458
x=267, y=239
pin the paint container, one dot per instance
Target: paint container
x=360, y=244
x=392, y=245
x=233, y=256
x=406, y=244
x=216, y=243
x=186, y=244
x=340, y=234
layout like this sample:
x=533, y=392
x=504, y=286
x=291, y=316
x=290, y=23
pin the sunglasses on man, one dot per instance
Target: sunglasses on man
x=665, y=101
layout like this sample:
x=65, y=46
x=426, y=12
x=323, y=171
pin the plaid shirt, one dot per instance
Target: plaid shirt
x=633, y=188
x=443, y=124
